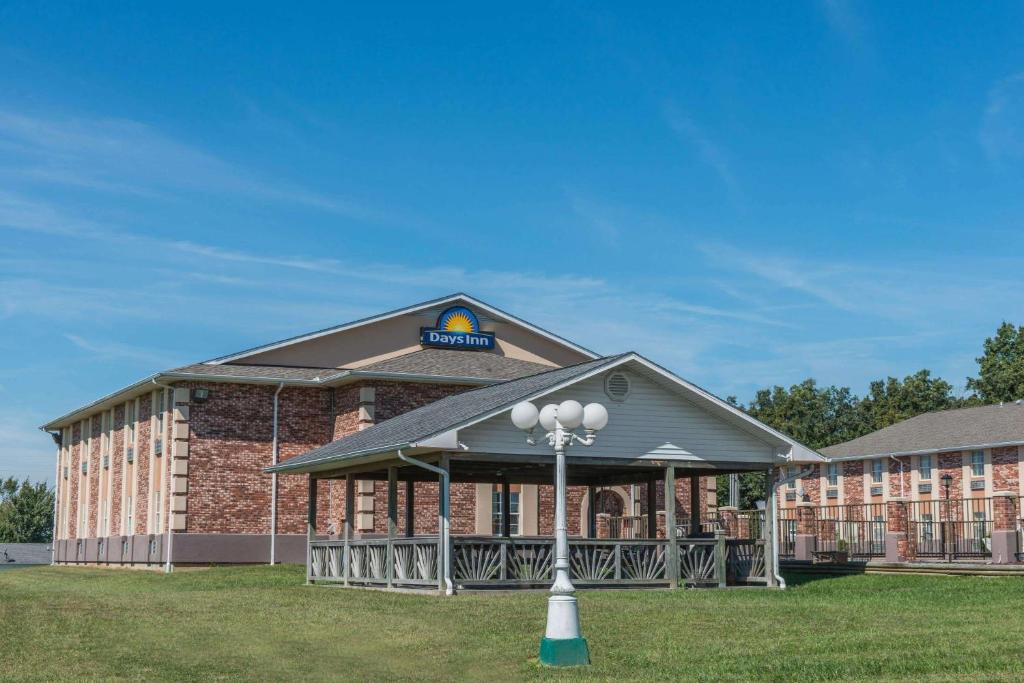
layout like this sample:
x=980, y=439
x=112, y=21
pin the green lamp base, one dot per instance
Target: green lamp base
x=567, y=652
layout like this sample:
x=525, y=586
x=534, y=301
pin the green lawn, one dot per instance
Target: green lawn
x=263, y=623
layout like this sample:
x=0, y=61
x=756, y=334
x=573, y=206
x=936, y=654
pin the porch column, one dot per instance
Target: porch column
x=672, y=551
x=768, y=529
x=410, y=508
x=506, y=508
x=591, y=512
x=350, y=514
x=443, y=542
x=896, y=530
x=804, y=543
x=1004, y=527
x=310, y=528
x=694, y=505
x=652, y=509
x=392, y=521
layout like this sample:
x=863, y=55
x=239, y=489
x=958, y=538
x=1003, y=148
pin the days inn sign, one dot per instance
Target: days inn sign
x=457, y=328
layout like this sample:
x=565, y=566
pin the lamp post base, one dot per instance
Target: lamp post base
x=564, y=652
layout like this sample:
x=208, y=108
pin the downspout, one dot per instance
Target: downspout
x=444, y=530
x=775, y=528
x=273, y=484
x=902, y=492
x=168, y=567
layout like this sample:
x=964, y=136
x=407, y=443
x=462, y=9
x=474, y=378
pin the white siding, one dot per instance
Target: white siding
x=652, y=423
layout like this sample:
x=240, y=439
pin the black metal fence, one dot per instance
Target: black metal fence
x=787, y=532
x=857, y=529
x=954, y=529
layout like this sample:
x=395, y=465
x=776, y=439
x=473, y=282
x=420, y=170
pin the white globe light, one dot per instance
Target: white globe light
x=570, y=414
x=595, y=416
x=548, y=414
x=524, y=415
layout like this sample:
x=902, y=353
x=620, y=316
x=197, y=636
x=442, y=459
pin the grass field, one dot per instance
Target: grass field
x=262, y=623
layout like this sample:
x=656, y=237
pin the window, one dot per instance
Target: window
x=158, y=436
x=513, y=510
x=833, y=474
x=978, y=464
x=156, y=503
x=927, y=530
x=129, y=527
x=924, y=467
x=106, y=518
x=790, y=472
x=876, y=471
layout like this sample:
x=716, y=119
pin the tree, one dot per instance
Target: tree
x=889, y=401
x=816, y=417
x=26, y=512
x=1001, y=367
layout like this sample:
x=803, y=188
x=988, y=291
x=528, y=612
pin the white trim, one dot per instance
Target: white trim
x=475, y=303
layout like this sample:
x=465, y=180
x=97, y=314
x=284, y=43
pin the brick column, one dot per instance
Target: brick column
x=1004, y=527
x=805, y=542
x=604, y=525
x=730, y=522
x=896, y=546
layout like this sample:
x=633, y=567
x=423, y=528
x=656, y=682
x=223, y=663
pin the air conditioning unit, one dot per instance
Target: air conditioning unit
x=924, y=488
x=791, y=495
x=130, y=454
x=876, y=490
x=832, y=493
x=106, y=462
x=977, y=484
x=85, y=466
x=159, y=446
x=66, y=471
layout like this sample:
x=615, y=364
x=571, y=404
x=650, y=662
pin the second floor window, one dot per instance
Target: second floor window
x=791, y=472
x=924, y=469
x=876, y=471
x=978, y=464
x=833, y=474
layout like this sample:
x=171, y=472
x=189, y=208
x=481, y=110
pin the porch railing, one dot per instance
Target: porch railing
x=857, y=529
x=959, y=528
x=479, y=562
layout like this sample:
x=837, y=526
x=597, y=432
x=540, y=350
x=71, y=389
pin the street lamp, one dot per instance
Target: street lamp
x=562, y=644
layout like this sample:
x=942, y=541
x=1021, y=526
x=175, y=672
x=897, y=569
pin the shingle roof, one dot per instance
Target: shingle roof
x=256, y=371
x=439, y=416
x=943, y=430
x=25, y=553
x=451, y=363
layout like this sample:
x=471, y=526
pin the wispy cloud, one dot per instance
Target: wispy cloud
x=129, y=157
x=598, y=217
x=710, y=152
x=845, y=21
x=1002, y=125
x=113, y=350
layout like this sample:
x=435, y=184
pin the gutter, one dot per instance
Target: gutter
x=273, y=482
x=443, y=525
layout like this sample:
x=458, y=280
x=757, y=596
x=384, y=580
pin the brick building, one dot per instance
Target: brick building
x=171, y=469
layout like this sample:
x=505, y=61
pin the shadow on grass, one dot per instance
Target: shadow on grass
x=801, y=576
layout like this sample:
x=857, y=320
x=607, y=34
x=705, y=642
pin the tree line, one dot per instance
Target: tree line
x=820, y=416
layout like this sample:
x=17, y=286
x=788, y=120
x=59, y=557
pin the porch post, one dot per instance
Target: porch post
x=591, y=512
x=695, y=528
x=444, y=571
x=506, y=509
x=410, y=508
x=1004, y=527
x=652, y=508
x=350, y=513
x=768, y=529
x=310, y=528
x=806, y=541
x=392, y=521
x=672, y=550
x=896, y=528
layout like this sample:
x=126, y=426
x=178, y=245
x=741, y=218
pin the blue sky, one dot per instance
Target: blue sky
x=749, y=194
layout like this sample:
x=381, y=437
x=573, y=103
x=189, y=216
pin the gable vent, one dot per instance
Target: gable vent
x=617, y=386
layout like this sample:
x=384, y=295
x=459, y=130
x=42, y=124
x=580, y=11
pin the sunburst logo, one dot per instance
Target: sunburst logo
x=458, y=319
x=457, y=328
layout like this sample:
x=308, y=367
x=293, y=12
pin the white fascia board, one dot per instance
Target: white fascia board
x=476, y=303
x=928, y=451
x=445, y=441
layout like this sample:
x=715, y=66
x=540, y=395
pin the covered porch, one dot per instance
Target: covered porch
x=657, y=429
x=670, y=552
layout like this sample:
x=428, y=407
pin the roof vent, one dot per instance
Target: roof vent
x=617, y=386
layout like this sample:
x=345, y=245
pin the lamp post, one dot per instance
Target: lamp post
x=562, y=644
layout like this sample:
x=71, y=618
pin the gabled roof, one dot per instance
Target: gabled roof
x=945, y=430
x=455, y=363
x=452, y=298
x=440, y=416
x=458, y=411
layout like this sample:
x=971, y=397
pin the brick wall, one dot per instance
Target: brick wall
x=1005, y=469
x=894, y=476
x=952, y=464
x=853, y=482
x=117, y=470
x=141, y=502
x=74, y=479
x=95, y=472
